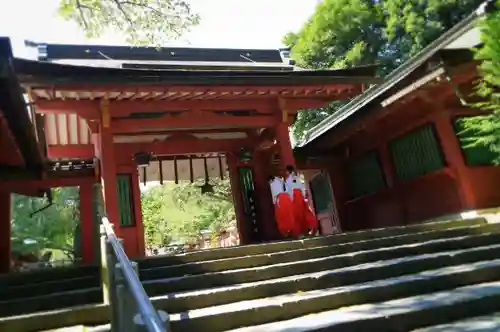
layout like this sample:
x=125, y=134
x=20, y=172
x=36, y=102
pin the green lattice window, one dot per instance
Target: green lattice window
x=321, y=192
x=125, y=200
x=476, y=155
x=416, y=153
x=247, y=186
x=365, y=175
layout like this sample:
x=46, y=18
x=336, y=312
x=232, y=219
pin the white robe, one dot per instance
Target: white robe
x=294, y=182
x=276, y=188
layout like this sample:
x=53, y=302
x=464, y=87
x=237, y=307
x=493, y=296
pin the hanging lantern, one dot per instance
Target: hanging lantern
x=245, y=155
x=142, y=159
x=206, y=187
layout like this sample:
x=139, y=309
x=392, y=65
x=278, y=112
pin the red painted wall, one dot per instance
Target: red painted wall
x=485, y=183
x=405, y=202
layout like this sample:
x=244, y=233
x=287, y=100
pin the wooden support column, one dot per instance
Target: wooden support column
x=265, y=208
x=454, y=158
x=284, y=144
x=232, y=163
x=136, y=196
x=108, y=167
x=5, y=230
x=87, y=222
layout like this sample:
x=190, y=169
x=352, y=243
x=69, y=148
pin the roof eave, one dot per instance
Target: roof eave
x=398, y=74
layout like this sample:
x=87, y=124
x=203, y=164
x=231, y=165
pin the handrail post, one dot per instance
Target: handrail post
x=131, y=307
x=139, y=325
x=126, y=306
x=105, y=273
x=109, y=280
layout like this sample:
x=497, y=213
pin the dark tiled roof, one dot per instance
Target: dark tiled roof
x=99, y=52
x=46, y=72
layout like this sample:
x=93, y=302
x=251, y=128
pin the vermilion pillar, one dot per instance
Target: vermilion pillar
x=267, y=223
x=87, y=222
x=232, y=164
x=284, y=145
x=108, y=167
x=5, y=215
x=454, y=157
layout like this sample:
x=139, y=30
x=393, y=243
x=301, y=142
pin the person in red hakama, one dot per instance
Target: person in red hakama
x=304, y=217
x=283, y=208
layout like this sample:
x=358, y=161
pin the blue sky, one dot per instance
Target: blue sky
x=224, y=23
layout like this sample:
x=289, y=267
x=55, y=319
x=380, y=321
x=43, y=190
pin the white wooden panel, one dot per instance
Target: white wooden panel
x=183, y=169
x=213, y=167
x=224, y=165
x=62, y=129
x=138, y=138
x=198, y=168
x=84, y=132
x=50, y=125
x=167, y=167
x=229, y=135
x=153, y=171
x=73, y=129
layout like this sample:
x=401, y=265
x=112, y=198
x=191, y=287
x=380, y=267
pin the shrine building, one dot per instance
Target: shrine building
x=105, y=118
x=398, y=154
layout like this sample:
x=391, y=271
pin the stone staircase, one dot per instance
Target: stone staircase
x=392, y=279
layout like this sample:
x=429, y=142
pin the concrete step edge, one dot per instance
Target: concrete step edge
x=229, y=263
x=272, y=309
x=310, y=281
x=489, y=323
x=395, y=315
x=97, y=314
x=329, y=278
x=348, y=257
x=220, y=253
x=333, y=278
x=40, y=276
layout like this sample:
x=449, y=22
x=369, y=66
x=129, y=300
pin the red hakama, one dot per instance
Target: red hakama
x=283, y=209
x=304, y=217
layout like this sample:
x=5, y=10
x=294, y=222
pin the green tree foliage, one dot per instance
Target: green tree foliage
x=217, y=206
x=180, y=212
x=485, y=130
x=52, y=228
x=143, y=22
x=414, y=24
x=347, y=33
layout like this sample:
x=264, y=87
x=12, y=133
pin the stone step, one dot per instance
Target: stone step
x=280, y=269
x=295, y=304
x=224, y=278
x=266, y=248
x=489, y=323
x=50, y=287
x=307, y=253
x=40, y=277
x=398, y=315
x=87, y=315
x=73, y=272
x=191, y=300
x=271, y=309
x=177, y=302
x=56, y=300
x=87, y=282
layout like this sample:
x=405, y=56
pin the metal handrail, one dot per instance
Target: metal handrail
x=149, y=316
